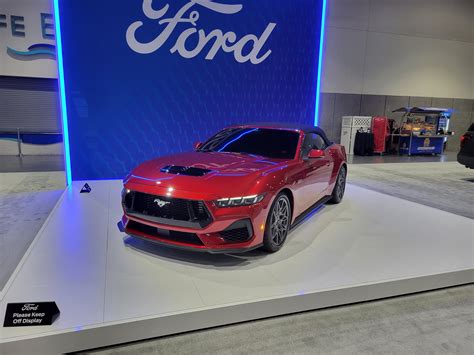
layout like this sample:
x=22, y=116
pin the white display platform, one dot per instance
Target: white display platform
x=112, y=289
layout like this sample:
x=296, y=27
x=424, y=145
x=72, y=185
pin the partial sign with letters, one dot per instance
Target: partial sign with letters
x=27, y=39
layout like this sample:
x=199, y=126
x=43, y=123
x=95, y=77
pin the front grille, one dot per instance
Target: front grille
x=173, y=236
x=167, y=210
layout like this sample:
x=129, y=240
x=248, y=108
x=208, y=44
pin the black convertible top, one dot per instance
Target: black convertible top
x=289, y=126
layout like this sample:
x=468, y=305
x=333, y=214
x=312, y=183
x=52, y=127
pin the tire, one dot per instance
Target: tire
x=339, y=187
x=278, y=224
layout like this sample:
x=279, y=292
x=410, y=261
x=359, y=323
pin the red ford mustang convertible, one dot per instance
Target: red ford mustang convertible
x=242, y=189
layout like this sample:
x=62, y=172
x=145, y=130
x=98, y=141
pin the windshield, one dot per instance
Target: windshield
x=270, y=143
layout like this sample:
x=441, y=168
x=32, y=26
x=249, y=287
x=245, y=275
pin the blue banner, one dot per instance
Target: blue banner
x=147, y=78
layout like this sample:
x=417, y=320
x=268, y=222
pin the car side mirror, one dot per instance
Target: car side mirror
x=197, y=145
x=315, y=153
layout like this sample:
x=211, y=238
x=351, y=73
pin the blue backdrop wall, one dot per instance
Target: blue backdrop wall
x=148, y=78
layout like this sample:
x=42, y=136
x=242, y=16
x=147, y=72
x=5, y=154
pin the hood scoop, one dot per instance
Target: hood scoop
x=184, y=170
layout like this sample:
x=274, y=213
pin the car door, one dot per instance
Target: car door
x=314, y=174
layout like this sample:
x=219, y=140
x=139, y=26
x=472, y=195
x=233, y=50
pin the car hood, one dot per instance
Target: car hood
x=230, y=174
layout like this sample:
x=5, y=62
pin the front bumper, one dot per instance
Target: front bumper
x=232, y=229
x=234, y=250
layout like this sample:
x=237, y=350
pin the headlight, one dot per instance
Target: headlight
x=239, y=201
x=125, y=192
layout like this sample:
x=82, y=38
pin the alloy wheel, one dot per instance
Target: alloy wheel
x=341, y=184
x=280, y=221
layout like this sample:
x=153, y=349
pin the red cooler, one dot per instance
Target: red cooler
x=381, y=130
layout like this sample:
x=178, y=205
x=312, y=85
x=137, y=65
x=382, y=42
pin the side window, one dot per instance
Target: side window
x=312, y=141
x=319, y=142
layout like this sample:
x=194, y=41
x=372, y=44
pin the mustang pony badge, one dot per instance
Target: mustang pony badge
x=161, y=203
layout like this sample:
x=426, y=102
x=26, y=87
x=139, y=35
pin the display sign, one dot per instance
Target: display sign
x=30, y=314
x=86, y=189
x=426, y=145
x=422, y=145
x=149, y=78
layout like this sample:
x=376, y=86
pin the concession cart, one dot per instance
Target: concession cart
x=423, y=130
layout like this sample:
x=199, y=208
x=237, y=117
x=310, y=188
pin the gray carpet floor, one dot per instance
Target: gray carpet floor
x=382, y=159
x=446, y=186
x=26, y=200
x=30, y=163
x=437, y=322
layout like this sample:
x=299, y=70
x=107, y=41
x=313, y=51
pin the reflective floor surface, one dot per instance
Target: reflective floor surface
x=371, y=245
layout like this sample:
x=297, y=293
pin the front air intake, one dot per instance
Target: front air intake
x=238, y=232
x=169, y=235
x=184, y=170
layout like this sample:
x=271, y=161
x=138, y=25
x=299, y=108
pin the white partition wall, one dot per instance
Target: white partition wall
x=350, y=125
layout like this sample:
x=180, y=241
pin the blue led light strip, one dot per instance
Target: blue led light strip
x=62, y=92
x=320, y=63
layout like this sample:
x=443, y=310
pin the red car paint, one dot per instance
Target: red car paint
x=233, y=174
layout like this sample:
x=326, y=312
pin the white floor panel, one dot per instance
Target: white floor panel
x=113, y=289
